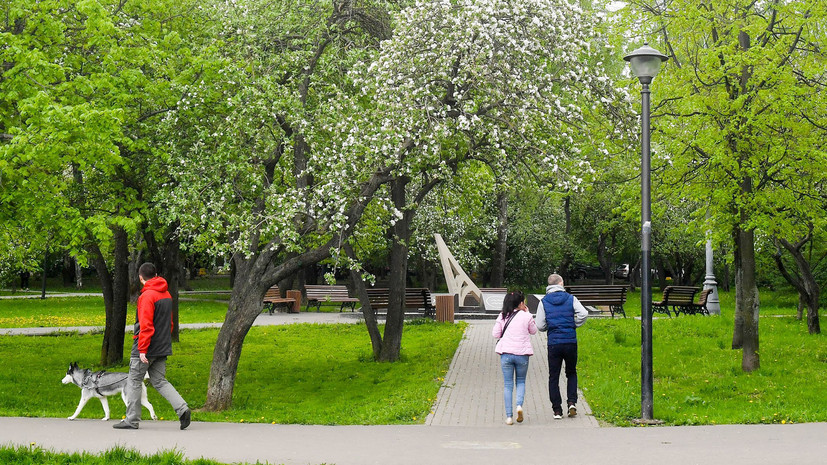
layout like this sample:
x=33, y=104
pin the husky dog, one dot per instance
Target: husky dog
x=101, y=384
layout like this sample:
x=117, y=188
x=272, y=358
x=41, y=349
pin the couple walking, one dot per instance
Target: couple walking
x=558, y=313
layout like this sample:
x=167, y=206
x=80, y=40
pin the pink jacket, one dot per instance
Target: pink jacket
x=517, y=337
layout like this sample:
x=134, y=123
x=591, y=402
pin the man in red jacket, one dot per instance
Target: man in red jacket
x=152, y=344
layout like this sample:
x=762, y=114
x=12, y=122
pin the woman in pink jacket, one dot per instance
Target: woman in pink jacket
x=514, y=328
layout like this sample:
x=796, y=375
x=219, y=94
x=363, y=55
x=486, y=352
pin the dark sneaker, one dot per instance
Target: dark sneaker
x=558, y=415
x=124, y=425
x=185, y=419
x=572, y=411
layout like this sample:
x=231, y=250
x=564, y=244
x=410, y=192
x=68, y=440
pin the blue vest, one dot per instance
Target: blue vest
x=559, y=308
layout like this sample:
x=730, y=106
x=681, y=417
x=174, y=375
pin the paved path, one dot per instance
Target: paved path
x=802, y=444
x=472, y=392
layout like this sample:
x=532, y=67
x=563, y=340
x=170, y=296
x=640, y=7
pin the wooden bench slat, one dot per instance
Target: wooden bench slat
x=415, y=298
x=612, y=296
x=680, y=299
x=318, y=293
x=273, y=297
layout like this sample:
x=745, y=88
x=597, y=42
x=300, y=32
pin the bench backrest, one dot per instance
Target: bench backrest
x=272, y=292
x=703, y=297
x=324, y=292
x=415, y=297
x=679, y=295
x=599, y=295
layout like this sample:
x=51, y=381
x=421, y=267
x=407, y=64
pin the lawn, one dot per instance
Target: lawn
x=322, y=374
x=117, y=456
x=197, y=307
x=307, y=374
x=89, y=311
x=698, y=377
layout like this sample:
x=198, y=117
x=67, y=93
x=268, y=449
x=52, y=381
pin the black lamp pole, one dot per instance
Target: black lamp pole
x=645, y=63
x=646, y=375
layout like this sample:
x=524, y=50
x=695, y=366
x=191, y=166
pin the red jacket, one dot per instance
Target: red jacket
x=154, y=313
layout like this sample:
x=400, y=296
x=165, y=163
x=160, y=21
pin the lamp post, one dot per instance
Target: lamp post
x=713, y=305
x=645, y=63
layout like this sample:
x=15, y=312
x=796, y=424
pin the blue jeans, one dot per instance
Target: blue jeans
x=511, y=365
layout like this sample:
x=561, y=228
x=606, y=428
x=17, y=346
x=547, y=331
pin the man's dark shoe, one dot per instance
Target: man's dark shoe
x=124, y=425
x=185, y=419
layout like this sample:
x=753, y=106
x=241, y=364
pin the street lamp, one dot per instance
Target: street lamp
x=645, y=63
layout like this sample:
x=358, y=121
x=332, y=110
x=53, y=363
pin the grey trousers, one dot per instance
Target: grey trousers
x=157, y=369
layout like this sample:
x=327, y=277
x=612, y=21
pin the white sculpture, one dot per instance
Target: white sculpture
x=458, y=281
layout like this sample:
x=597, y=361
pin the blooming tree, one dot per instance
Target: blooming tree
x=264, y=170
x=511, y=82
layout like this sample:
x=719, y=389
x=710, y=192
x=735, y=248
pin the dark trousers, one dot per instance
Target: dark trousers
x=557, y=354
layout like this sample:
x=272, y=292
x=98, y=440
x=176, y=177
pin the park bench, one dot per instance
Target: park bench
x=316, y=294
x=700, y=306
x=679, y=298
x=415, y=298
x=611, y=296
x=273, y=298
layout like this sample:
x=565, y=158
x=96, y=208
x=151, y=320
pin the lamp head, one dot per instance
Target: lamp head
x=645, y=63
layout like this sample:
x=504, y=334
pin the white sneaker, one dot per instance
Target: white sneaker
x=572, y=410
x=519, y=414
x=558, y=416
x=509, y=421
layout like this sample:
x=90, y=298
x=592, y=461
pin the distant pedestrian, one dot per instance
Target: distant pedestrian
x=514, y=328
x=560, y=314
x=152, y=344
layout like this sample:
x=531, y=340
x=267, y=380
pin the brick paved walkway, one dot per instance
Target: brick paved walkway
x=472, y=395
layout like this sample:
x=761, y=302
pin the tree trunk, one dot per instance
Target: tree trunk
x=398, y=261
x=78, y=275
x=253, y=276
x=367, y=311
x=166, y=256
x=244, y=307
x=68, y=270
x=501, y=244
x=603, y=258
x=726, y=276
x=746, y=301
x=804, y=281
x=115, y=286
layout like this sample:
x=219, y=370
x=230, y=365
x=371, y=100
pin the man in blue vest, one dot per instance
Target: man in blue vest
x=560, y=314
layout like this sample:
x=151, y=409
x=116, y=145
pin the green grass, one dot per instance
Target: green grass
x=92, y=284
x=118, y=456
x=698, y=377
x=308, y=374
x=89, y=311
